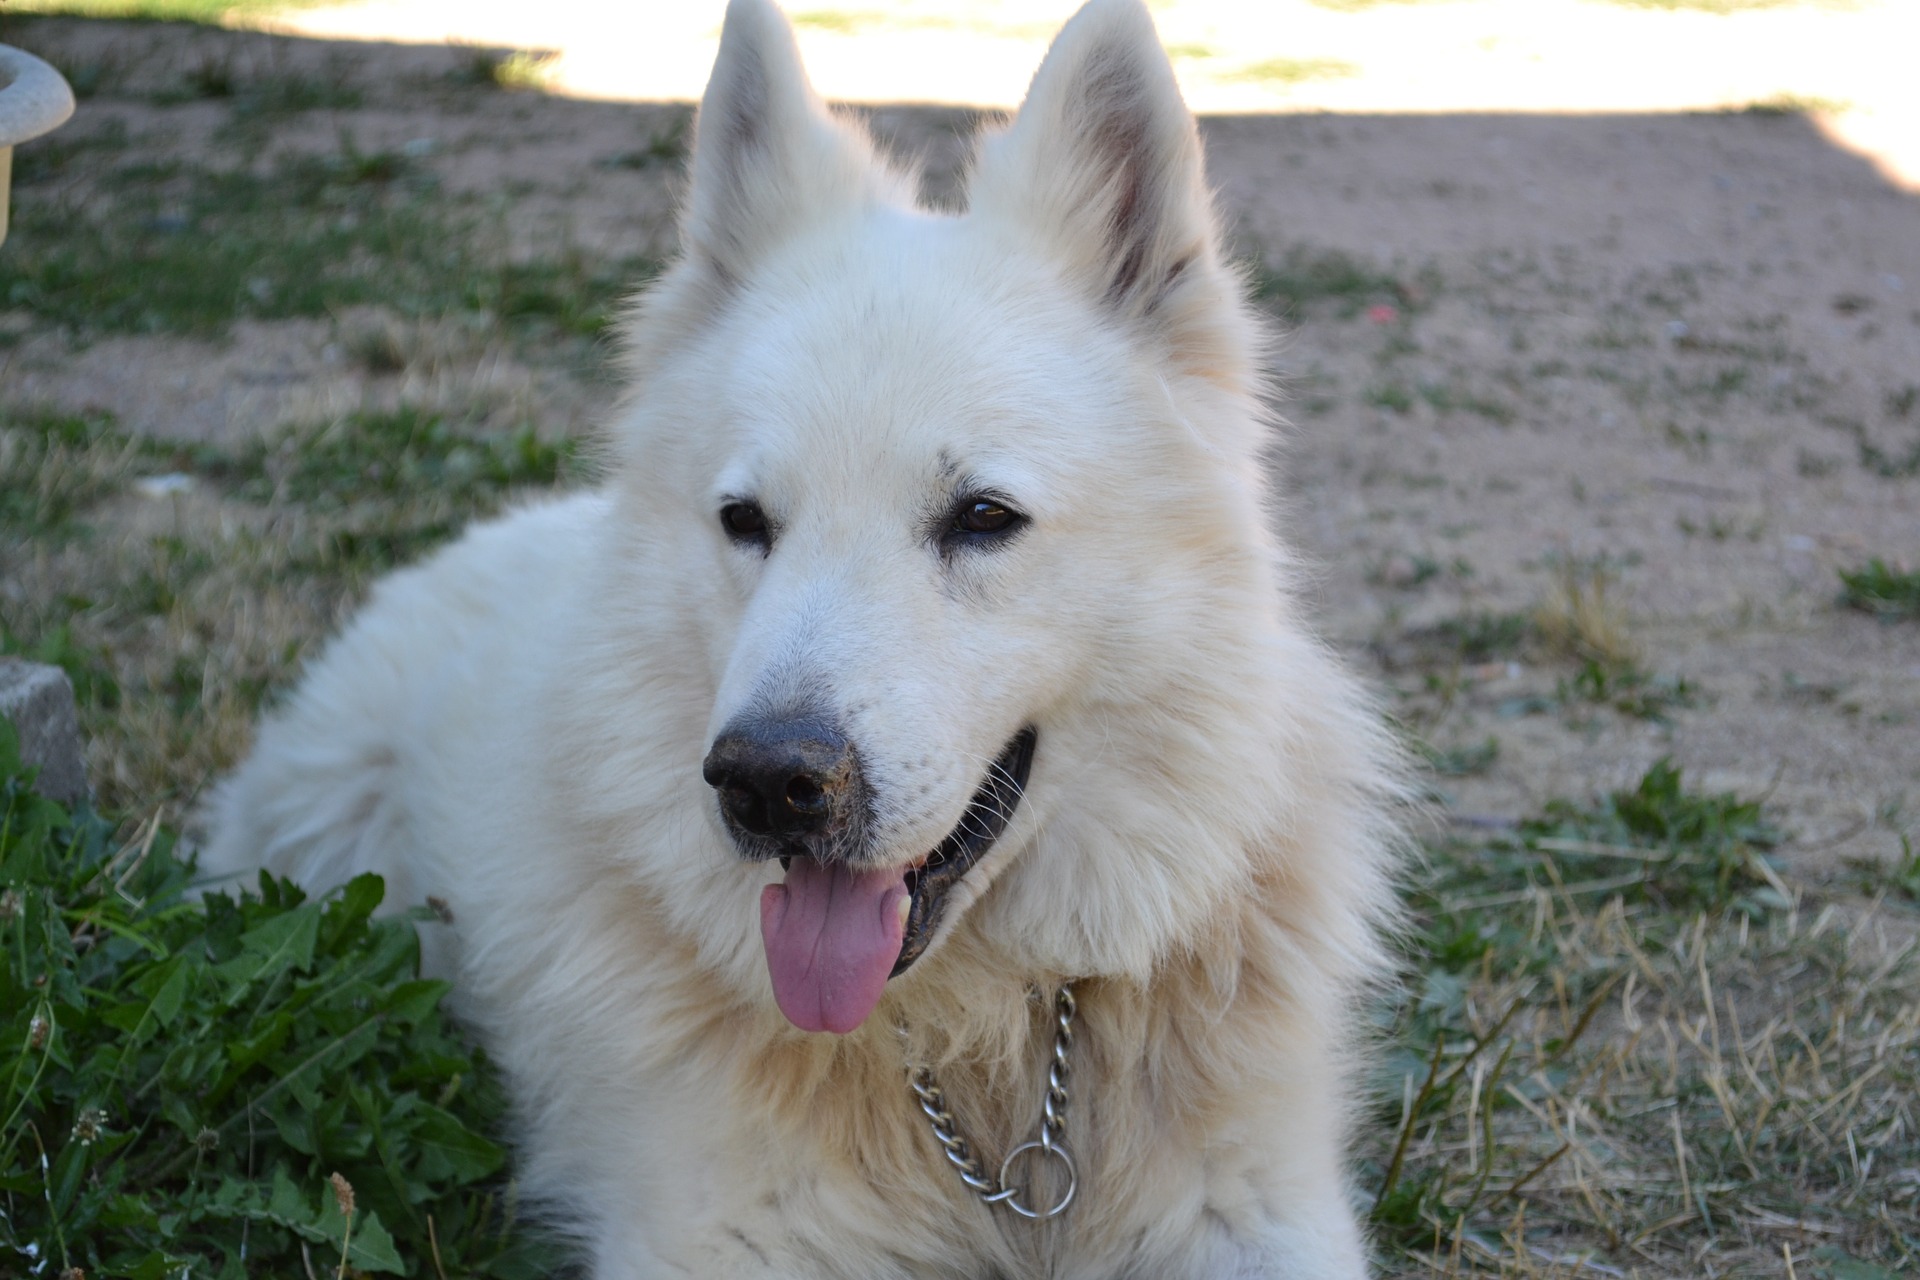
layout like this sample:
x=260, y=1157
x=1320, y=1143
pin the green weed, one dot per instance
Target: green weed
x=1306, y=277
x=1685, y=849
x=1390, y=395
x=94, y=687
x=512, y=69
x=666, y=148
x=1443, y=398
x=219, y=1085
x=1479, y=637
x=1881, y=589
x=1462, y=760
x=1887, y=463
x=1628, y=689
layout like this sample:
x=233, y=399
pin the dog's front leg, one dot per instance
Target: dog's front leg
x=1293, y=1252
x=1312, y=1237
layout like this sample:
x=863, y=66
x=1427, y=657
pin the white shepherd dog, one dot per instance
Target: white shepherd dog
x=924, y=677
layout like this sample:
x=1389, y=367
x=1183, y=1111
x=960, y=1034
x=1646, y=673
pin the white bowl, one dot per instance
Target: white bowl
x=34, y=99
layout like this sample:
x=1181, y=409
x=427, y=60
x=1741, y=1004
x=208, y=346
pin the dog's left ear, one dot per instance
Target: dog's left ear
x=1103, y=162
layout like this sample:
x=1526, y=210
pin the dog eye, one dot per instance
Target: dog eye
x=746, y=522
x=984, y=517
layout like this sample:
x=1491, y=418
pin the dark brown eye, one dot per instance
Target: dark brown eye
x=745, y=522
x=984, y=517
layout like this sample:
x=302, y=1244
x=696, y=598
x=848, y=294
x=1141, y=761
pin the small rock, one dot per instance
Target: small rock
x=38, y=701
x=163, y=486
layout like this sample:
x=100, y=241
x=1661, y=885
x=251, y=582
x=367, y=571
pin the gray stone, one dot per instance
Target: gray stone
x=38, y=701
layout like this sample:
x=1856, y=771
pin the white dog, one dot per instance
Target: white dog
x=924, y=677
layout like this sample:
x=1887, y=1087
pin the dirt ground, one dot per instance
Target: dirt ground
x=1674, y=356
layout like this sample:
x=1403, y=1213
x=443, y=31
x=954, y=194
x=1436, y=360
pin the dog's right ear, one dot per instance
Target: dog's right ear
x=768, y=158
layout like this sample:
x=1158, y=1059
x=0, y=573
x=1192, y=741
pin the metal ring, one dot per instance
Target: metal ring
x=1073, y=1180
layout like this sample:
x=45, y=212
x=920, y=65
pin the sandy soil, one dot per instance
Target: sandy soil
x=1662, y=342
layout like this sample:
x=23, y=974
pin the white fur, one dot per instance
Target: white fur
x=516, y=727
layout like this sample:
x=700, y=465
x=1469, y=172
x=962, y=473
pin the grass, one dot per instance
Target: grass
x=192, y=249
x=1440, y=397
x=187, y=248
x=395, y=454
x=175, y=636
x=1630, y=1048
x=1305, y=279
x=1628, y=689
x=512, y=69
x=1889, y=592
x=227, y=1085
x=1581, y=618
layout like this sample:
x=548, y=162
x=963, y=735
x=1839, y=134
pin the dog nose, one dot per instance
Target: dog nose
x=782, y=779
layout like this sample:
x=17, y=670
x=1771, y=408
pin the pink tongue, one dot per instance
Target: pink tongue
x=832, y=936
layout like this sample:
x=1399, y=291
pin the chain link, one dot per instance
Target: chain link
x=1053, y=1123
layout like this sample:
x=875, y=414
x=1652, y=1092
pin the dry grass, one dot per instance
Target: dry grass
x=1635, y=1049
x=178, y=606
x=1642, y=1092
x=1580, y=618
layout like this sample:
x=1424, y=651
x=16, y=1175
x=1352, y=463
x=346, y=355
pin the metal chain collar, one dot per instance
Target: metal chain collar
x=1053, y=1124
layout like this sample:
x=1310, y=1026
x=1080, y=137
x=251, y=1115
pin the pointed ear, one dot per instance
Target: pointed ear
x=768, y=158
x=1103, y=161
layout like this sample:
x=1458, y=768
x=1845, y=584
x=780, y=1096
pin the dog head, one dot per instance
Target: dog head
x=952, y=527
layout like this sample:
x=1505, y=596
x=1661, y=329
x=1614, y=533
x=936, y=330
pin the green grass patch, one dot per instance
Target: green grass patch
x=185, y=249
x=666, y=147
x=1479, y=636
x=227, y=1086
x=308, y=235
x=1461, y=760
x=373, y=455
x=54, y=466
x=1883, y=590
x=215, y=78
x=1304, y=279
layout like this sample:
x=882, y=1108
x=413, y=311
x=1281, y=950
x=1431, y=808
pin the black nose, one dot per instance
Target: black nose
x=783, y=779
